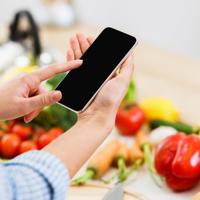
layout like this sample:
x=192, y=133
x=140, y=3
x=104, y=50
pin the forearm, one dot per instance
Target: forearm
x=76, y=146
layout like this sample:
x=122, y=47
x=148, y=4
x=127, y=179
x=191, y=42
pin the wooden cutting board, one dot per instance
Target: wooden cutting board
x=93, y=192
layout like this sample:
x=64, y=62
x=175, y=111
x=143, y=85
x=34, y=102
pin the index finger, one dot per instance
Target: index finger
x=50, y=71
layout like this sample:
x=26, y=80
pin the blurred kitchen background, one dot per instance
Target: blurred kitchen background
x=172, y=24
x=167, y=59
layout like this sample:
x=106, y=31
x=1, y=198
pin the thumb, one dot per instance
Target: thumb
x=44, y=99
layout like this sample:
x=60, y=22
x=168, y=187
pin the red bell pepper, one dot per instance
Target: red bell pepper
x=177, y=158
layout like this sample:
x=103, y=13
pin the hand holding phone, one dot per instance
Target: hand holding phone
x=105, y=105
x=100, y=62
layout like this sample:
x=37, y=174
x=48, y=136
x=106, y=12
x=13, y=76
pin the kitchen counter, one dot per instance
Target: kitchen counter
x=157, y=72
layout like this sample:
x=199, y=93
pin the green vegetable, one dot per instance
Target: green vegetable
x=55, y=115
x=89, y=174
x=122, y=170
x=188, y=129
x=148, y=157
x=131, y=93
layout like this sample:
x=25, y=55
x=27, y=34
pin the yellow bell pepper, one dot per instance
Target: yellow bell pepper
x=160, y=108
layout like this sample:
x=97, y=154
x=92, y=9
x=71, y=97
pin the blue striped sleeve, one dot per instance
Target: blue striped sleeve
x=34, y=175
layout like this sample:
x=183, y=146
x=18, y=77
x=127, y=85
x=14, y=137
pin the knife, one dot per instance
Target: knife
x=116, y=193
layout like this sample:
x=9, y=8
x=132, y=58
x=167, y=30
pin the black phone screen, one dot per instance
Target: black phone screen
x=99, y=61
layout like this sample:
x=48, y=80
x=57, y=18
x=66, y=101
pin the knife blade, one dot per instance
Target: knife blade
x=116, y=193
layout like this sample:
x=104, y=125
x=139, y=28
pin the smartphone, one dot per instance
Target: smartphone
x=100, y=62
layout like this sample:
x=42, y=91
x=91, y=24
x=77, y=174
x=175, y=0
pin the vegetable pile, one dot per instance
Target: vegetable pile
x=162, y=144
x=166, y=147
x=17, y=138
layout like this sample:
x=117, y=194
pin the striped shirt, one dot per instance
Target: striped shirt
x=35, y=175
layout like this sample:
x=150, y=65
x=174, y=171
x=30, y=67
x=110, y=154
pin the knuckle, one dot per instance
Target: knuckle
x=31, y=80
x=45, y=100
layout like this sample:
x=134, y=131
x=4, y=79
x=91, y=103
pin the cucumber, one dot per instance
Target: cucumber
x=188, y=129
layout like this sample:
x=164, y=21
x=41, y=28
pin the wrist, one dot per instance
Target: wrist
x=98, y=119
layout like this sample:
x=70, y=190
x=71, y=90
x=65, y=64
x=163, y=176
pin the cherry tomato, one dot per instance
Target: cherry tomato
x=24, y=132
x=27, y=146
x=38, y=131
x=10, y=124
x=55, y=132
x=0, y=149
x=128, y=122
x=44, y=140
x=10, y=145
x=2, y=133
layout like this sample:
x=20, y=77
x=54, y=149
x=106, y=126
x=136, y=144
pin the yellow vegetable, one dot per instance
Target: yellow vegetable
x=160, y=108
x=13, y=72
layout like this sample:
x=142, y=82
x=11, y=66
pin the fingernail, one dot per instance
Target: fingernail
x=79, y=60
x=27, y=120
x=56, y=96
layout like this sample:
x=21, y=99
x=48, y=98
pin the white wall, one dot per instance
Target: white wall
x=9, y=7
x=171, y=24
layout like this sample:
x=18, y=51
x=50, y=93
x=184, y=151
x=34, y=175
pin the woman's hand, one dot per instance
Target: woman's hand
x=109, y=98
x=25, y=96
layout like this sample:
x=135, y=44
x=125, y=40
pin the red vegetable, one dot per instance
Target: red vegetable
x=27, y=146
x=177, y=158
x=165, y=153
x=55, y=132
x=10, y=145
x=129, y=121
x=24, y=132
x=187, y=160
x=10, y=125
x=44, y=140
x=181, y=184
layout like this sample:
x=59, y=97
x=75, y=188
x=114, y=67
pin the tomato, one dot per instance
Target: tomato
x=44, y=140
x=10, y=145
x=10, y=125
x=128, y=122
x=55, y=132
x=38, y=131
x=24, y=132
x=27, y=146
x=2, y=133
